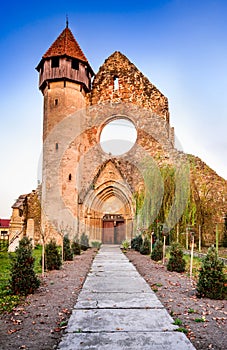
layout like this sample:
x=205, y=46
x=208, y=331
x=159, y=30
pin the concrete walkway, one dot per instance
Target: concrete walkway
x=117, y=309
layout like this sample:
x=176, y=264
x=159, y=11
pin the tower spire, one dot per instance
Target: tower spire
x=67, y=21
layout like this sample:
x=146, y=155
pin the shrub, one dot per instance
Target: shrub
x=84, y=242
x=176, y=261
x=23, y=279
x=125, y=244
x=52, y=256
x=96, y=244
x=136, y=243
x=67, y=251
x=157, y=252
x=145, y=248
x=212, y=280
x=76, y=248
x=4, y=244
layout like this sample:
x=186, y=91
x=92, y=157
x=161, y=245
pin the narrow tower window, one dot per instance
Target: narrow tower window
x=70, y=177
x=55, y=62
x=87, y=72
x=75, y=64
x=116, y=83
x=56, y=102
x=56, y=146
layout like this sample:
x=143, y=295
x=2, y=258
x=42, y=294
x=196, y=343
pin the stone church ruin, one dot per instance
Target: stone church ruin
x=108, y=197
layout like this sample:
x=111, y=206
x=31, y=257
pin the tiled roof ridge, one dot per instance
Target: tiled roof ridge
x=4, y=223
x=65, y=44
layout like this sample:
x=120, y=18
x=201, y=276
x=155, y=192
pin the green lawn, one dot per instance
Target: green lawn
x=8, y=301
x=37, y=253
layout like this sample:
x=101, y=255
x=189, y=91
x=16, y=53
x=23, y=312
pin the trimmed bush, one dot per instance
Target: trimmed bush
x=84, y=242
x=145, y=248
x=136, y=243
x=23, y=279
x=52, y=256
x=212, y=280
x=67, y=251
x=157, y=252
x=96, y=244
x=76, y=248
x=176, y=261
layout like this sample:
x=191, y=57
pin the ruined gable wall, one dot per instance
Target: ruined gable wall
x=34, y=213
x=134, y=87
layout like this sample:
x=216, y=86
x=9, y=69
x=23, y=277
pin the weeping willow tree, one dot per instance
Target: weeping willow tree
x=148, y=201
x=172, y=197
x=157, y=203
x=199, y=211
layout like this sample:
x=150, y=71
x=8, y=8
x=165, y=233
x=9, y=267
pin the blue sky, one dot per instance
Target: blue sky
x=180, y=45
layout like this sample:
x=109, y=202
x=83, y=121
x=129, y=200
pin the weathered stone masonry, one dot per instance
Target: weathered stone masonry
x=83, y=188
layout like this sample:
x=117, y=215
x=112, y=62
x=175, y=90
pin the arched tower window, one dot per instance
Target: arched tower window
x=70, y=177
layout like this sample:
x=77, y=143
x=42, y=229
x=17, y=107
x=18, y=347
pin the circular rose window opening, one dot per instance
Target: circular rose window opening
x=118, y=136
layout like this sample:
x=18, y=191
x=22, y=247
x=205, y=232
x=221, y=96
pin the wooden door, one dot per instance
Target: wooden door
x=108, y=232
x=120, y=232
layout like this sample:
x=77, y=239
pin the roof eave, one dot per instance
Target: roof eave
x=65, y=55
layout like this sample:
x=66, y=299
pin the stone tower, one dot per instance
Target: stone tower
x=64, y=80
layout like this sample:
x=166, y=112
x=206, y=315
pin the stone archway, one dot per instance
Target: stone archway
x=108, y=212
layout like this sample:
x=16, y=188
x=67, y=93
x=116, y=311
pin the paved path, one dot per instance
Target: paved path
x=116, y=309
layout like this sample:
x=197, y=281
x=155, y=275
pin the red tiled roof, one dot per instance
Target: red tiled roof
x=67, y=45
x=4, y=222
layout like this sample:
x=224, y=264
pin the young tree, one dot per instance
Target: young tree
x=145, y=248
x=176, y=261
x=136, y=243
x=52, y=256
x=84, y=242
x=212, y=280
x=23, y=279
x=67, y=251
x=157, y=252
x=76, y=246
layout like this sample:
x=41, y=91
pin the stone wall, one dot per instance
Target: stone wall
x=210, y=193
x=34, y=214
x=60, y=100
x=26, y=219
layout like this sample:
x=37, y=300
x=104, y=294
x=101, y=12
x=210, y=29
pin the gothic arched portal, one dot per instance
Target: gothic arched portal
x=108, y=212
